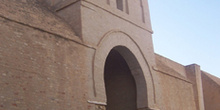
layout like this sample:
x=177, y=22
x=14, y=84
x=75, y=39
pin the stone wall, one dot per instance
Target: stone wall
x=211, y=90
x=45, y=66
x=172, y=96
x=40, y=70
x=173, y=91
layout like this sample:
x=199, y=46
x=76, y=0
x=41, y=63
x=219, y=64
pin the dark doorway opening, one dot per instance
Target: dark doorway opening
x=119, y=83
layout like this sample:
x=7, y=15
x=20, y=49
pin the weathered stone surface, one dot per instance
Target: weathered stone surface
x=33, y=14
x=211, y=90
x=100, y=107
x=55, y=59
x=39, y=70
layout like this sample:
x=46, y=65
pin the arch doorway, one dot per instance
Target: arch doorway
x=119, y=83
x=136, y=62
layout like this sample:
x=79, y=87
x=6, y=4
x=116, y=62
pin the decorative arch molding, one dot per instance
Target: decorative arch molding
x=136, y=61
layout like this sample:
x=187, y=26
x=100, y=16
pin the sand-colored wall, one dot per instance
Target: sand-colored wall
x=173, y=91
x=171, y=64
x=135, y=11
x=44, y=65
x=171, y=96
x=211, y=91
x=41, y=68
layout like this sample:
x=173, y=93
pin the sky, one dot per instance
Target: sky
x=188, y=32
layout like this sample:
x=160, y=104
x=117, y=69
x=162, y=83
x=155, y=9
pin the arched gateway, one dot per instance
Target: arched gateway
x=119, y=83
x=122, y=78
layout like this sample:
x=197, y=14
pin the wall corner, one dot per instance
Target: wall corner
x=194, y=75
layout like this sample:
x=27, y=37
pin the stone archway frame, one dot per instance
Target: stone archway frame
x=138, y=65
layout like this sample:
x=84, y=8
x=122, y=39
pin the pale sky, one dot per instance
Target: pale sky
x=188, y=31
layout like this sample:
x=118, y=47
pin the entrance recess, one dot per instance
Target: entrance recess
x=120, y=84
x=135, y=65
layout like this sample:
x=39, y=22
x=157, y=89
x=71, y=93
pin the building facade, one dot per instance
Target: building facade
x=92, y=55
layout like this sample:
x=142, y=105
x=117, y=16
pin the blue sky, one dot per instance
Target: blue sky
x=188, y=31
